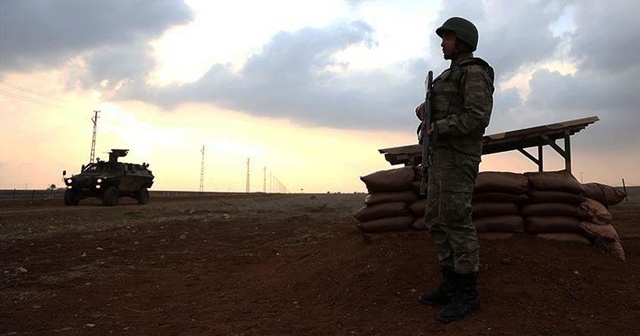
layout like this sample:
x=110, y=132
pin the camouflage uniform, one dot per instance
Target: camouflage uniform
x=461, y=109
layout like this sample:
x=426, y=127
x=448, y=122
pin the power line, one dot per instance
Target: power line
x=29, y=91
x=281, y=188
x=28, y=95
x=30, y=99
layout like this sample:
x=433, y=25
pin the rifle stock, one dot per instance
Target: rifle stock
x=424, y=138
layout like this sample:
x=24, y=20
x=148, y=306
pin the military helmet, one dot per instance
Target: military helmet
x=464, y=30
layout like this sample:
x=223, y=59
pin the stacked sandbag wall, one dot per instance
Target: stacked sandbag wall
x=550, y=205
x=497, y=198
x=387, y=204
x=553, y=209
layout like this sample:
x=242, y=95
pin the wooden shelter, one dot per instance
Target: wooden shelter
x=519, y=140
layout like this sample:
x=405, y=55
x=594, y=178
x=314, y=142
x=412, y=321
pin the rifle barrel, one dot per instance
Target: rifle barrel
x=426, y=122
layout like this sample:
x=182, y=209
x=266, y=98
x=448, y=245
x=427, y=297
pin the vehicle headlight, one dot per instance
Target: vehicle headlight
x=98, y=186
x=99, y=180
x=69, y=181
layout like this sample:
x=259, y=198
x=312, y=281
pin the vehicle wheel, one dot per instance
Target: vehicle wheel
x=70, y=197
x=110, y=196
x=142, y=196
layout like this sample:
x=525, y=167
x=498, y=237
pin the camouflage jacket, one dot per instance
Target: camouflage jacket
x=462, y=104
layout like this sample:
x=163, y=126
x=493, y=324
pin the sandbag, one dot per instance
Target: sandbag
x=612, y=246
x=415, y=186
x=595, y=212
x=604, y=237
x=600, y=231
x=551, y=209
x=419, y=224
x=558, y=181
x=419, y=207
x=397, y=179
x=604, y=194
x=513, y=224
x=386, y=197
x=565, y=237
x=493, y=209
x=552, y=224
x=388, y=224
x=499, y=197
x=505, y=182
x=496, y=235
x=550, y=196
x=382, y=210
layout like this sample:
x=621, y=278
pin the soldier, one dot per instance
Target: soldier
x=461, y=108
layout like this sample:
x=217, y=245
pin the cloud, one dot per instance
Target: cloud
x=295, y=76
x=593, y=35
x=520, y=34
x=40, y=34
x=555, y=97
x=108, y=67
x=605, y=82
x=606, y=35
x=506, y=111
x=512, y=34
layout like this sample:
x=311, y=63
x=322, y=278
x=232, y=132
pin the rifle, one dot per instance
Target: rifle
x=424, y=138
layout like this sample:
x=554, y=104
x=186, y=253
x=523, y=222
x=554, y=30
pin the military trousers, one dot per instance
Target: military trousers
x=448, y=214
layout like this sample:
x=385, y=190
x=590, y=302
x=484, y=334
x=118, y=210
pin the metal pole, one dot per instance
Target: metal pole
x=92, y=156
x=202, y=171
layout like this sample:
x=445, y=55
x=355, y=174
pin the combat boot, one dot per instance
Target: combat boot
x=465, y=302
x=444, y=292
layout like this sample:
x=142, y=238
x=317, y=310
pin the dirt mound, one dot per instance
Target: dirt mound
x=288, y=265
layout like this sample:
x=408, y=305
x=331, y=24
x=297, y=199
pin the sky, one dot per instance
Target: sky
x=299, y=95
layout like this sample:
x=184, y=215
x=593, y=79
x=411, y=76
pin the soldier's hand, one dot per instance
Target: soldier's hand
x=432, y=129
x=420, y=111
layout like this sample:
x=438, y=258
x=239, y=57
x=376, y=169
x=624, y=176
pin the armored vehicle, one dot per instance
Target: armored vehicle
x=109, y=180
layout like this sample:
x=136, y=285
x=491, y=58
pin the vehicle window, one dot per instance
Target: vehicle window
x=93, y=168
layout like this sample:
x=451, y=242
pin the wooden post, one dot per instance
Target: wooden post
x=567, y=151
x=540, y=161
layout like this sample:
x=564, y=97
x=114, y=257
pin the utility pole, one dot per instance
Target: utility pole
x=202, y=170
x=264, y=180
x=92, y=156
x=248, y=175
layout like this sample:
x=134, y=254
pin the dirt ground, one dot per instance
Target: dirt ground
x=267, y=264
